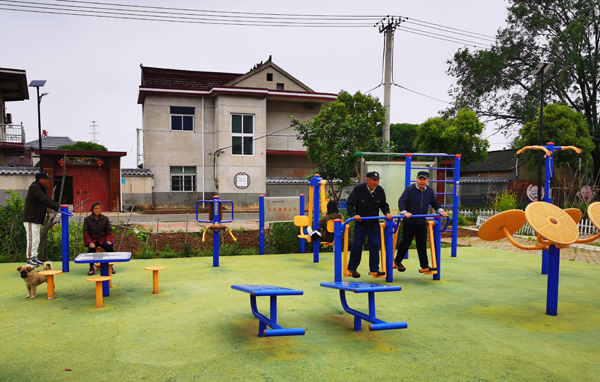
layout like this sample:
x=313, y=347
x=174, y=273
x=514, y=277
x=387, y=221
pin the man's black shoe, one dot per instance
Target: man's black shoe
x=401, y=268
x=427, y=269
x=379, y=273
x=354, y=273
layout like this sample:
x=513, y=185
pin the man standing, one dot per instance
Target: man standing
x=415, y=200
x=366, y=199
x=35, y=211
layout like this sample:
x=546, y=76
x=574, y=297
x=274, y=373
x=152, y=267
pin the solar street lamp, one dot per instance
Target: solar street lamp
x=38, y=84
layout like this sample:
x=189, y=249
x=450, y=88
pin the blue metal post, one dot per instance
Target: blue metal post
x=261, y=222
x=337, y=250
x=437, y=242
x=302, y=241
x=407, y=177
x=455, y=203
x=553, y=272
x=547, y=198
x=215, y=221
x=389, y=250
x=65, y=238
x=315, y=182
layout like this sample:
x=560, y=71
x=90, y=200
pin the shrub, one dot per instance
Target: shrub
x=12, y=231
x=504, y=201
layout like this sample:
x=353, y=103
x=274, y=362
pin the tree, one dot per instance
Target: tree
x=350, y=124
x=561, y=124
x=498, y=83
x=458, y=135
x=83, y=146
x=403, y=136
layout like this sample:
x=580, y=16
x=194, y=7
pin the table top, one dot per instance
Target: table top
x=103, y=257
x=98, y=278
x=50, y=272
x=361, y=287
x=267, y=290
x=155, y=268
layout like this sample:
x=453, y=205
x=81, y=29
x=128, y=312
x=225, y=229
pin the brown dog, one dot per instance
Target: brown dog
x=33, y=279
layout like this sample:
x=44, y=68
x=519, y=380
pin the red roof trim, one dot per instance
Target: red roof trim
x=236, y=90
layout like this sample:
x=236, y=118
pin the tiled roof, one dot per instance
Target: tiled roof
x=486, y=179
x=496, y=161
x=283, y=180
x=18, y=170
x=136, y=172
x=50, y=142
x=184, y=79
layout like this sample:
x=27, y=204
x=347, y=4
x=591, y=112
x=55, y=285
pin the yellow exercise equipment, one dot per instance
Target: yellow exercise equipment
x=217, y=227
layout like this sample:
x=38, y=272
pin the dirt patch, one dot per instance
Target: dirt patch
x=461, y=232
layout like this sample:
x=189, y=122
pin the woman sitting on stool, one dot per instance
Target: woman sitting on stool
x=97, y=232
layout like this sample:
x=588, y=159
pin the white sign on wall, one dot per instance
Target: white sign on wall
x=281, y=209
x=532, y=193
x=241, y=180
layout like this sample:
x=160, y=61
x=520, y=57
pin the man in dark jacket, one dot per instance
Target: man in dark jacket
x=415, y=200
x=36, y=202
x=366, y=199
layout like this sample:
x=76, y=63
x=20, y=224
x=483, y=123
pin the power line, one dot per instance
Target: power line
x=449, y=38
x=426, y=24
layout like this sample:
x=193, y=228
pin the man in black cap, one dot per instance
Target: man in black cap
x=366, y=199
x=36, y=202
x=415, y=200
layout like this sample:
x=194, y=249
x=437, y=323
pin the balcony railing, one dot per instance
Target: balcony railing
x=12, y=134
x=282, y=142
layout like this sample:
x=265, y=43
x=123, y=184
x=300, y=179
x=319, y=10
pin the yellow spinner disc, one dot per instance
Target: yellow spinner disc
x=491, y=229
x=552, y=223
x=575, y=214
x=594, y=214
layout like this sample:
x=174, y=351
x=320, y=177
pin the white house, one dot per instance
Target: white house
x=226, y=134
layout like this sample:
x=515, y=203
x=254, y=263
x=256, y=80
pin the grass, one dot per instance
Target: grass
x=484, y=321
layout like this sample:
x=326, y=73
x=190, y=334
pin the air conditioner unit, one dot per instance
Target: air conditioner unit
x=8, y=119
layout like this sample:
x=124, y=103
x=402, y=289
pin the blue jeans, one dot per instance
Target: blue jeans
x=360, y=234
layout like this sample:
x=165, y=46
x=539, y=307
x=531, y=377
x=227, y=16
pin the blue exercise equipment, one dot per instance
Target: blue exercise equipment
x=272, y=292
x=215, y=214
x=370, y=289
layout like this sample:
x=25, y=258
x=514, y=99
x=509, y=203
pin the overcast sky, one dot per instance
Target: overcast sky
x=92, y=65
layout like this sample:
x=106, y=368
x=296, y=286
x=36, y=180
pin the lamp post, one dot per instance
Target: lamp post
x=541, y=69
x=38, y=84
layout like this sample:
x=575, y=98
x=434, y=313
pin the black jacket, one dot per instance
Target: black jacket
x=362, y=202
x=36, y=202
x=328, y=236
x=417, y=202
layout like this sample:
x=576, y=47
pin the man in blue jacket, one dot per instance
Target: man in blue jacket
x=415, y=200
x=366, y=199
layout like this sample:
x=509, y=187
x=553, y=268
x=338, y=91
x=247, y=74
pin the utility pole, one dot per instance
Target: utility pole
x=388, y=25
x=93, y=133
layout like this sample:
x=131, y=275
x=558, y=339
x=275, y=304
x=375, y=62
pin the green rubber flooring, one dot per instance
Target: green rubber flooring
x=484, y=321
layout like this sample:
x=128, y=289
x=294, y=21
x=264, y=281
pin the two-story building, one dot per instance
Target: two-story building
x=13, y=87
x=226, y=134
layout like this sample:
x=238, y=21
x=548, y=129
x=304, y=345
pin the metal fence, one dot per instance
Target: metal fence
x=12, y=133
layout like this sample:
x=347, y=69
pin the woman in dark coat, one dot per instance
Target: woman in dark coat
x=97, y=232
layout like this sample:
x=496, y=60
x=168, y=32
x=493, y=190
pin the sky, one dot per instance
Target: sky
x=92, y=65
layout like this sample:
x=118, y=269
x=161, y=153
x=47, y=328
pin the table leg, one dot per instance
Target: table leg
x=104, y=271
x=50, y=281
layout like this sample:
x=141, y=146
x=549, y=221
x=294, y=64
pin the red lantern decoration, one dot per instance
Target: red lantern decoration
x=99, y=162
x=61, y=162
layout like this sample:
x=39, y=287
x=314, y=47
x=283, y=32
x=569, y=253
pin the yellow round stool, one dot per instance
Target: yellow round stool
x=155, y=270
x=99, y=280
x=50, y=280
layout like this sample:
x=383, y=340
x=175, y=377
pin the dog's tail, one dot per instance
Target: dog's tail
x=47, y=265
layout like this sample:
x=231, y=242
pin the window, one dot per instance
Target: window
x=269, y=76
x=242, y=134
x=183, y=178
x=279, y=86
x=182, y=118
